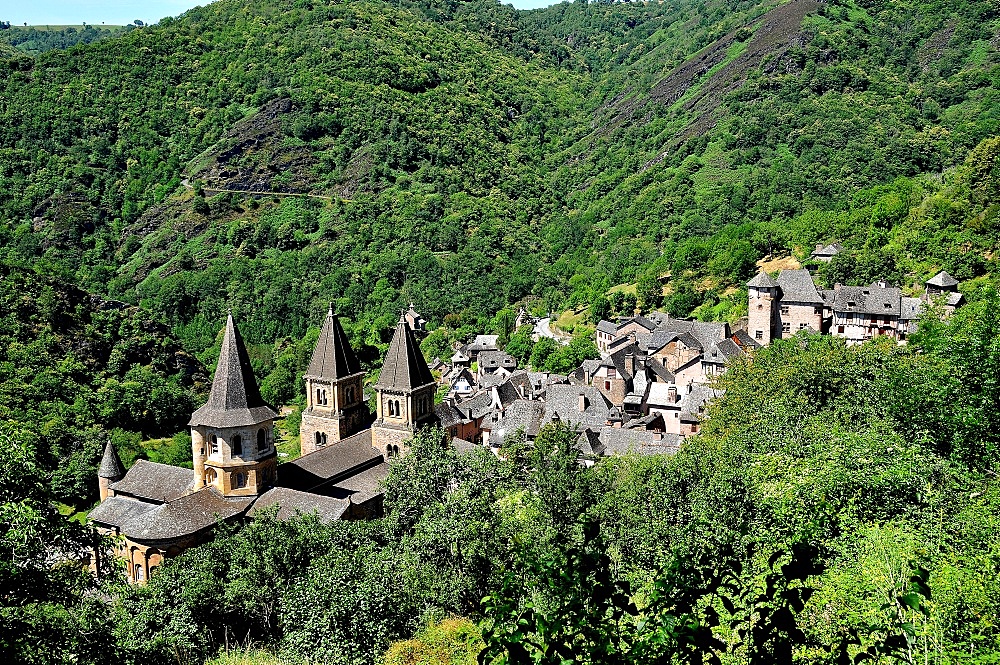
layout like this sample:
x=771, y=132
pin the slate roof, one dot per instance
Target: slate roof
x=363, y=486
x=330, y=463
x=448, y=415
x=484, y=343
x=743, y=339
x=494, y=359
x=477, y=406
x=185, y=516
x=404, y=367
x=722, y=351
x=874, y=300
x=520, y=414
x=641, y=320
x=111, y=465
x=690, y=341
x=652, y=420
x=798, y=286
x=693, y=403
x=564, y=400
x=459, y=357
x=659, y=370
x=235, y=399
x=333, y=357
x=618, y=441
x=832, y=249
x=704, y=332
x=954, y=299
x=658, y=394
x=762, y=281
x=606, y=326
x=942, y=280
x=463, y=446
x=155, y=481
x=292, y=502
x=117, y=511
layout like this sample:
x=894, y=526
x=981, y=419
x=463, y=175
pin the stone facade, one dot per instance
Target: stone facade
x=237, y=461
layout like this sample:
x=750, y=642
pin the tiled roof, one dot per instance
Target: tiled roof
x=830, y=250
x=484, y=343
x=362, y=486
x=743, y=339
x=659, y=394
x=520, y=414
x=910, y=308
x=330, y=463
x=117, y=511
x=694, y=403
x=448, y=415
x=954, y=299
x=292, y=502
x=876, y=300
x=762, y=281
x=155, y=481
x=333, y=357
x=798, y=286
x=492, y=359
x=565, y=400
x=942, y=280
x=404, y=367
x=617, y=440
x=111, y=465
x=235, y=399
x=463, y=446
x=606, y=326
x=657, y=368
x=186, y=515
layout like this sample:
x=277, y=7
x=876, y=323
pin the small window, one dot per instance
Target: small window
x=215, y=445
x=803, y=326
x=349, y=395
x=319, y=439
x=818, y=310
x=261, y=440
x=784, y=310
x=851, y=303
x=139, y=576
x=840, y=329
x=239, y=480
x=607, y=385
x=237, y=444
x=786, y=327
x=758, y=334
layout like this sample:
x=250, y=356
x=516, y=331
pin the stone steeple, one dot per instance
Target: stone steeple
x=232, y=438
x=335, y=406
x=333, y=357
x=235, y=399
x=404, y=367
x=405, y=393
x=111, y=469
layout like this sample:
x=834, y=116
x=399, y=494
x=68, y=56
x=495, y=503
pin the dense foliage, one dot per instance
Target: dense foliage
x=275, y=156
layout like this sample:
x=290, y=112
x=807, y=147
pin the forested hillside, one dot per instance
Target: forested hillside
x=272, y=156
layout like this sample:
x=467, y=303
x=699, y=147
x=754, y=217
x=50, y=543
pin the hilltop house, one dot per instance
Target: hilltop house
x=779, y=308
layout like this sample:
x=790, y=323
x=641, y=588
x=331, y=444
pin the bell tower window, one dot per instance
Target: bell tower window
x=261, y=440
x=215, y=445
x=237, y=444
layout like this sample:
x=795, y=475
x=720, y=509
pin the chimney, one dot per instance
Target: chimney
x=672, y=394
x=630, y=364
x=836, y=287
x=520, y=390
x=583, y=402
x=819, y=247
x=586, y=375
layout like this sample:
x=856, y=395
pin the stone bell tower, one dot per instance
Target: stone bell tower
x=232, y=436
x=405, y=393
x=764, y=296
x=335, y=405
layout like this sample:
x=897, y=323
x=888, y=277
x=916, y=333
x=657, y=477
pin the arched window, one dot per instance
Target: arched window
x=239, y=480
x=319, y=439
x=388, y=450
x=261, y=440
x=210, y=476
x=395, y=451
x=139, y=573
x=319, y=396
x=398, y=412
x=325, y=402
x=215, y=445
x=323, y=438
x=349, y=394
x=237, y=444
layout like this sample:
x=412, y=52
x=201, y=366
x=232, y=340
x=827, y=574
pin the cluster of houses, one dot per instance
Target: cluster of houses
x=645, y=394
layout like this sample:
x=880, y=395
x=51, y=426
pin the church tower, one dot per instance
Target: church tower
x=110, y=471
x=764, y=298
x=335, y=406
x=405, y=393
x=232, y=436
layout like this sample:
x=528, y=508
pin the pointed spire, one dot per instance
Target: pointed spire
x=111, y=465
x=404, y=367
x=333, y=357
x=235, y=400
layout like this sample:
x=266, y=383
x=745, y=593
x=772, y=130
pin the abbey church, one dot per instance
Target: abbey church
x=161, y=510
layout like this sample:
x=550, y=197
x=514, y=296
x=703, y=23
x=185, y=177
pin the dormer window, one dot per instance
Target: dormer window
x=851, y=303
x=888, y=306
